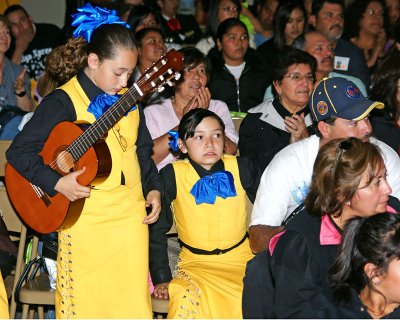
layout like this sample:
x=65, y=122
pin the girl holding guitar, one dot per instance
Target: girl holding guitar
x=103, y=256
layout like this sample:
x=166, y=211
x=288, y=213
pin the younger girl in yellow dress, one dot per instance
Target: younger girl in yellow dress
x=208, y=194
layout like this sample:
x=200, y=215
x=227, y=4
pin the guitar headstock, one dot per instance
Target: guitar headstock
x=164, y=71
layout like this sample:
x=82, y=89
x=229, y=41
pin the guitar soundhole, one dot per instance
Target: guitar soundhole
x=64, y=162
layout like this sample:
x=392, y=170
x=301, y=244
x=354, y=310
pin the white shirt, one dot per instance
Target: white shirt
x=285, y=183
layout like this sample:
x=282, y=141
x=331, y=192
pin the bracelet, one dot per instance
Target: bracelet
x=21, y=94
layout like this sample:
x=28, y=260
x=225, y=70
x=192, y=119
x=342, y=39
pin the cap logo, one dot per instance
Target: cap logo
x=352, y=91
x=322, y=108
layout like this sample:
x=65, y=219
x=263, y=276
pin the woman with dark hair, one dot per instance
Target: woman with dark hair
x=219, y=11
x=290, y=21
x=190, y=93
x=367, y=28
x=237, y=78
x=348, y=181
x=275, y=123
x=141, y=17
x=385, y=87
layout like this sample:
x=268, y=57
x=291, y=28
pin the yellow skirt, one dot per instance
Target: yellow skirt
x=209, y=286
x=103, y=259
x=4, y=314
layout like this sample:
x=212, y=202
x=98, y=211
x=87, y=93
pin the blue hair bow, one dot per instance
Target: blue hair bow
x=102, y=102
x=88, y=19
x=209, y=187
x=173, y=144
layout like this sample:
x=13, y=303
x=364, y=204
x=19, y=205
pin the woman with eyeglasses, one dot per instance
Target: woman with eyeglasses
x=367, y=28
x=348, y=181
x=277, y=122
x=290, y=21
x=237, y=78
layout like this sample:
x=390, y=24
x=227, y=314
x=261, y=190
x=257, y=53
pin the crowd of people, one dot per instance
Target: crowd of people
x=316, y=84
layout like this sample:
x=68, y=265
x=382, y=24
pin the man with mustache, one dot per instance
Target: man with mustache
x=339, y=111
x=327, y=17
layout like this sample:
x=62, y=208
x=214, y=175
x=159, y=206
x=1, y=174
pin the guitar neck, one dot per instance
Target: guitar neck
x=98, y=129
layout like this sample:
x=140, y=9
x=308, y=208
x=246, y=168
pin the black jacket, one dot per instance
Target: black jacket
x=252, y=83
x=189, y=33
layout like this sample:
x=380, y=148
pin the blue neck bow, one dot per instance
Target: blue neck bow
x=173, y=144
x=209, y=187
x=88, y=19
x=102, y=102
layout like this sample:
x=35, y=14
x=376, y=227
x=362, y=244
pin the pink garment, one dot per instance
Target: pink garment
x=161, y=117
x=274, y=241
x=329, y=235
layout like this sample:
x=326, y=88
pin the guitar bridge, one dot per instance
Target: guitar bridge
x=42, y=195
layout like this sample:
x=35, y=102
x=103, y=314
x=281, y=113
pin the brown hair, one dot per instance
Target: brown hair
x=337, y=174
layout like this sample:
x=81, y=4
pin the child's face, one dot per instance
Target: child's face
x=207, y=145
x=111, y=75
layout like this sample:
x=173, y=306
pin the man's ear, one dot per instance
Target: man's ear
x=93, y=61
x=324, y=129
x=182, y=146
x=312, y=20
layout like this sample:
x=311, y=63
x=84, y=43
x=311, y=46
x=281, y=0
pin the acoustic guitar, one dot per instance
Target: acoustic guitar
x=69, y=147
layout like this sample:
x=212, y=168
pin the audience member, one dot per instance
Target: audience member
x=178, y=28
x=348, y=181
x=339, y=110
x=190, y=93
x=219, y=11
x=327, y=17
x=141, y=17
x=14, y=82
x=364, y=275
x=393, y=14
x=290, y=21
x=209, y=276
x=366, y=30
x=385, y=88
x=114, y=212
x=32, y=41
x=265, y=13
x=285, y=119
x=237, y=78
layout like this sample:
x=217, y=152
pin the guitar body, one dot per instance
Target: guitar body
x=48, y=216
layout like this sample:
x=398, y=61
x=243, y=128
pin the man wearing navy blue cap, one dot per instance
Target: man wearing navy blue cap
x=339, y=110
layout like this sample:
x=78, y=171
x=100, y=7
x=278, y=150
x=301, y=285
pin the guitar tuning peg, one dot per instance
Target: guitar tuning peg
x=177, y=75
x=169, y=83
x=160, y=89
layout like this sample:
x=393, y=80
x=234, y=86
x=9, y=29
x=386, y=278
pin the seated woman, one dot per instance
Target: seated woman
x=365, y=273
x=237, y=78
x=140, y=17
x=208, y=193
x=191, y=92
x=276, y=123
x=348, y=181
x=150, y=47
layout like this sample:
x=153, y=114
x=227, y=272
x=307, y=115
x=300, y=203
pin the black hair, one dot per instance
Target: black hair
x=375, y=240
x=192, y=57
x=107, y=38
x=192, y=119
x=138, y=14
x=318, y=4
x=15, y=7
x=212, y=15
x=143, y=32
x=227, y=25
x=281, y=18
x=290, y=56
x=354, y=12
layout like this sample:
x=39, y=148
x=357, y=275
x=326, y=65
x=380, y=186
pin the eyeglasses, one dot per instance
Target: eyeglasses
x=229, y=9
x=341, y=148
x=298, y=77
x=121, y=140
x=373, y=13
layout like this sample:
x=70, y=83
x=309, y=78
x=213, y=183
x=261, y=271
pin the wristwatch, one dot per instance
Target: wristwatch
x=21, y=94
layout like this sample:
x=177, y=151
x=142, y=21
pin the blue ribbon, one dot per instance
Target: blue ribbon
x=209, y=187
x=88, y=19
x=102, y=102
x=174, y=141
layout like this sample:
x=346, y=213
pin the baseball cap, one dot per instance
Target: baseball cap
x=340, y=98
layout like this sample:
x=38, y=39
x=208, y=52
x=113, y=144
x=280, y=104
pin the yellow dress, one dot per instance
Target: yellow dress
x=209, y=286
x=103, y=257
x=4, y=313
